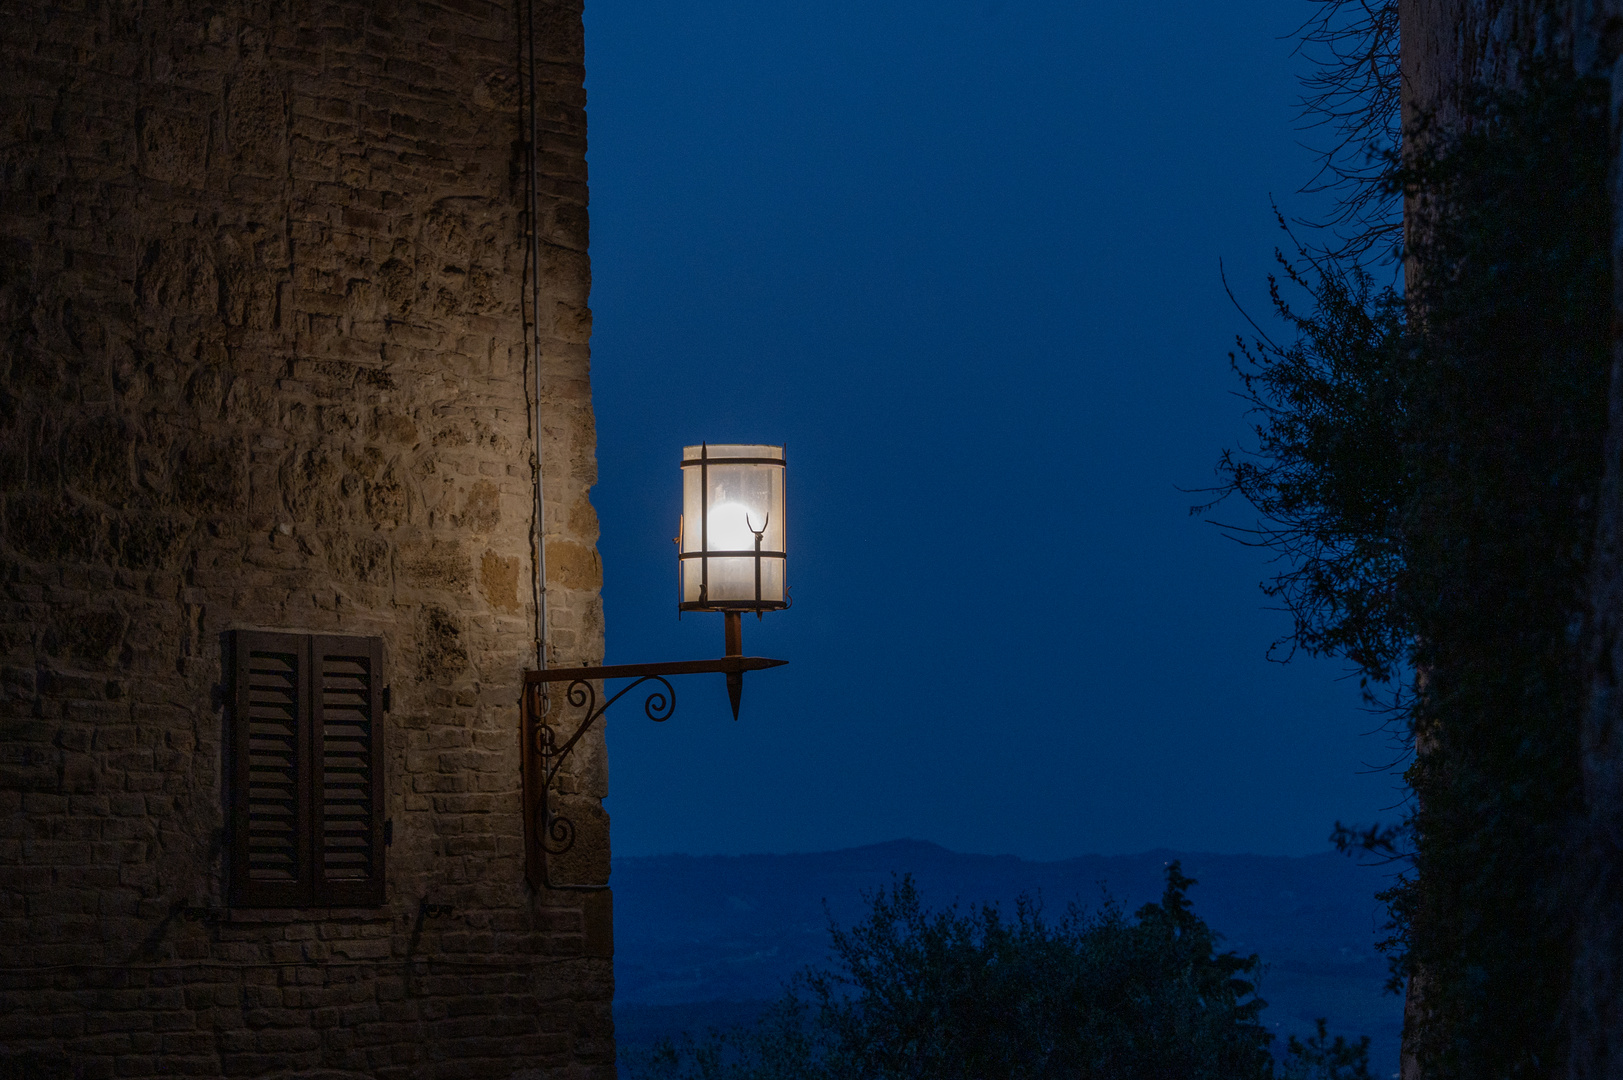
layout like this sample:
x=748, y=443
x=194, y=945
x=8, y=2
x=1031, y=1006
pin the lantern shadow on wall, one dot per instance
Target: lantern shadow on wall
x=732, y=558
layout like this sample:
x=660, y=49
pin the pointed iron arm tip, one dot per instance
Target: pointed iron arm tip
x=730, y=665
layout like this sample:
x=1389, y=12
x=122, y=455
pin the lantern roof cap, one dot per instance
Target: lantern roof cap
x=729, y=451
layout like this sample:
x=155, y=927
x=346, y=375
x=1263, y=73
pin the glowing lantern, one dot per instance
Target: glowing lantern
x=731, y=550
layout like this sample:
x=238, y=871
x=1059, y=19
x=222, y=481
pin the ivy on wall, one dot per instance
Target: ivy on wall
x=1429, y=465
x=1507, y=416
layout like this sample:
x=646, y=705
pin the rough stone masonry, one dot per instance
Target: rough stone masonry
x=262, y=344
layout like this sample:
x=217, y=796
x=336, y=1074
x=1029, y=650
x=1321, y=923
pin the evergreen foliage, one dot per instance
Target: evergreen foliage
x=1327, y=473
x=952, y=995
x=1318, y=1057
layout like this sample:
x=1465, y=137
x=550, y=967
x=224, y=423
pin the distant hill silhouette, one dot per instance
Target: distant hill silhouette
x=703, y=940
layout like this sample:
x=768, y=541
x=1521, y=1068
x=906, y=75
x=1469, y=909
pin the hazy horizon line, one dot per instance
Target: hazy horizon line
x=918, y=842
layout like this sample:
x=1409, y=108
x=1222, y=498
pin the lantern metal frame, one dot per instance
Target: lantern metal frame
x=704, y=555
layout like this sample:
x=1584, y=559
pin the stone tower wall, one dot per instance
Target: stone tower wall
x=261, y=270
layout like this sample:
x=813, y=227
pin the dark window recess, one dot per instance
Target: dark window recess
x=306, y=782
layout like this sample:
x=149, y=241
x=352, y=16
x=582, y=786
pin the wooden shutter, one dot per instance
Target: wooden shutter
x=347, y=711
x=270, y=776
x=306, y=790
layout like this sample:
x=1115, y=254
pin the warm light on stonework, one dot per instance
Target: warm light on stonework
x=732, y=549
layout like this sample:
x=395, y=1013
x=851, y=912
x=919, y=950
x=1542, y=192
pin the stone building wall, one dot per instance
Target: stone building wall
x=261, y=269
x=1449, y=46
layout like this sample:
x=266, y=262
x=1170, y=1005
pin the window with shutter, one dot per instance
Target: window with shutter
x=306, y=791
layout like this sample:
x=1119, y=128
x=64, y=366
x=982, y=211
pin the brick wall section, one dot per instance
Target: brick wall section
x=261, y=268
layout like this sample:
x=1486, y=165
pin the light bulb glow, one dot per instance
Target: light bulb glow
x=730, y=527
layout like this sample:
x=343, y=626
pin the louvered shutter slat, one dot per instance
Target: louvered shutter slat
x=269, y=859
x=349, y=800
x=273, y=766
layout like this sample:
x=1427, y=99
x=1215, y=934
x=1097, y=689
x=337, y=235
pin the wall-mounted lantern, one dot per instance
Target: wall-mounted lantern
x=731, y=550
x=731, y=558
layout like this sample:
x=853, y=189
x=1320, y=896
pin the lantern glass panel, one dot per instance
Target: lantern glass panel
x=733, y=527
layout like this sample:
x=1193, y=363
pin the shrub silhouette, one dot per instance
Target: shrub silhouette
x=953, y=995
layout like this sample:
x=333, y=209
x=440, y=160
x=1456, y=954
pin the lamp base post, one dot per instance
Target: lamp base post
x=734, y=622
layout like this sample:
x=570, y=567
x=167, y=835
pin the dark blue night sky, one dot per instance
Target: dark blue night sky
x=961, y=256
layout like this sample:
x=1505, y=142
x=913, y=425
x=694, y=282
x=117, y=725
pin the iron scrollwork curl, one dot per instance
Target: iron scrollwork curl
x=547, y=832
x=557, y=831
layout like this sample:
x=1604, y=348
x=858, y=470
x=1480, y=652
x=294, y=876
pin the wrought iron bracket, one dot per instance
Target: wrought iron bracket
x=547, y=831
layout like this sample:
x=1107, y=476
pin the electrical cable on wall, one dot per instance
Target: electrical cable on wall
x=531, y=114
x=532, y=170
